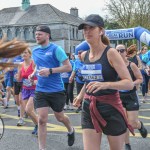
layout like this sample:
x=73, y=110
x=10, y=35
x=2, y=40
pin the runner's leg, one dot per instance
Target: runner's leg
x=42, y=130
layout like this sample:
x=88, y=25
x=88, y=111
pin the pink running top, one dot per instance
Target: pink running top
x=25, y=72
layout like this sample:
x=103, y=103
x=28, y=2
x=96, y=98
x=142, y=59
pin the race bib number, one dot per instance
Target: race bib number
x=92, y=72
x=38, y=69
x=27, y=83
x=65, y=75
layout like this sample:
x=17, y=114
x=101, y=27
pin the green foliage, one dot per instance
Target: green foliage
x=112, y=25
x=129, y=13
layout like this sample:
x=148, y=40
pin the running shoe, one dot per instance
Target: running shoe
x=143, y=130
x=65, y=107
x=71, y=138
x=128, y=147
x=5, y=103
x=35, y=131
x=20, y=122
x=5, y=107
x=71, y=107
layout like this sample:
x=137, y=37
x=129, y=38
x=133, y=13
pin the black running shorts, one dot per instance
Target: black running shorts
x=17, y=87
x=115, y=122
x=54, y=100
x=129, y=101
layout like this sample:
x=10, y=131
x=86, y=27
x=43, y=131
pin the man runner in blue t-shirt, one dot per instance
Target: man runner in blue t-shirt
x=49, y=90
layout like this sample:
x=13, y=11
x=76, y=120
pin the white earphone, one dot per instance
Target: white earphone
x=100, y=33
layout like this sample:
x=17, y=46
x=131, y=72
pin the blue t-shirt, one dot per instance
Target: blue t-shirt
x=146, y=58
x=50, y=56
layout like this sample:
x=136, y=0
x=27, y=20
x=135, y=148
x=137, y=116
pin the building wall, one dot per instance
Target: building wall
x=67, y=36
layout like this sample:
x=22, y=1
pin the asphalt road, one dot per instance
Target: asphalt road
x=20, y=138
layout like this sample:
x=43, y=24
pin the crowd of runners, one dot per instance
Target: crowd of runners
x=106, y=81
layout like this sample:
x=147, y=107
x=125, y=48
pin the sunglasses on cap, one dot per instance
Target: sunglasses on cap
x=121, y=50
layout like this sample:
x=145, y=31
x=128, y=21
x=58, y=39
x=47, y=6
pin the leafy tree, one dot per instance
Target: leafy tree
x=130, y=13
x=111, y=25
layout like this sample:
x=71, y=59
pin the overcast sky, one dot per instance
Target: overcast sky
x=85, y=7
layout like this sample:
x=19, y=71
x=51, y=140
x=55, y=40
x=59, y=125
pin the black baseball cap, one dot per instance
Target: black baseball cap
x=93, y=20
x=44, y=28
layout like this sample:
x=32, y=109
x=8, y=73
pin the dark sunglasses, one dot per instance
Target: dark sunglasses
x=79, y=52
x=121, y=50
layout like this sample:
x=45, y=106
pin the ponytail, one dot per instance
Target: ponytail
x=105, y=40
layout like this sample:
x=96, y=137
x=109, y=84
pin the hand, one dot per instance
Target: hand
x=70, y=80
x=95, y=86
x=16, y=76
x=34, y=82
x=147, y=71
x=44, y=72
x=77, y=101
x=30, y=77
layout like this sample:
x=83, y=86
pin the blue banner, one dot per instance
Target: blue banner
x=139, y=33
x=143, y=35
x=120, y=34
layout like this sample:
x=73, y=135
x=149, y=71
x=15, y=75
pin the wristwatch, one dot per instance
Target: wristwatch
x=50, y=70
